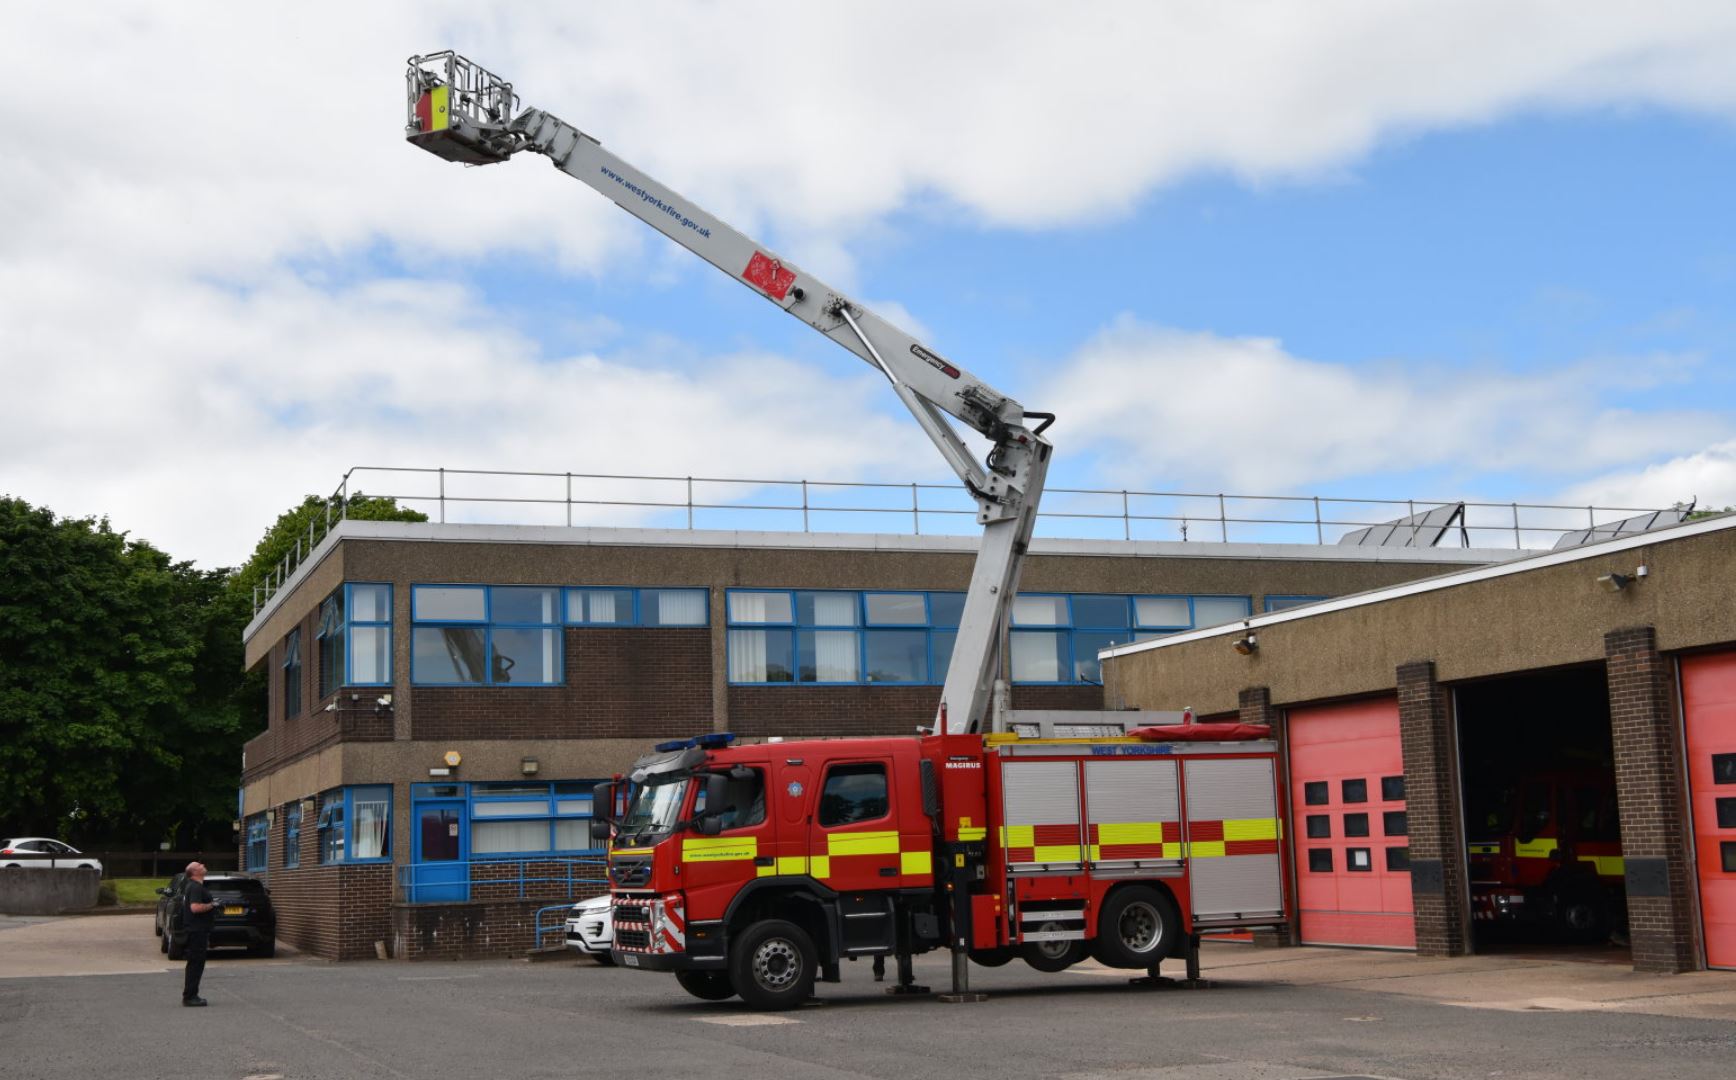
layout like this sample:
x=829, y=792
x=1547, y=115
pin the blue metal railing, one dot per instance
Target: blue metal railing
x=559, y=925
x=455, y=880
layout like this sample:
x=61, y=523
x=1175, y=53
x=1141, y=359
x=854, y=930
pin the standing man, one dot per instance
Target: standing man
x=198, y=921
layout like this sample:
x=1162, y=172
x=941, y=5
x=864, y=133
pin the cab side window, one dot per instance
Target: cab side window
x=854, y=793
x=744, y=802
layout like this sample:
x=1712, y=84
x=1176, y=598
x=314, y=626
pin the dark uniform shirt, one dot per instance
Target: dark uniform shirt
x=195, y=892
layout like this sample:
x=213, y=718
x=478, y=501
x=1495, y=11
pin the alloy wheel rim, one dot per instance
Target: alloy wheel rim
x=775, y=964
x=1141, y=927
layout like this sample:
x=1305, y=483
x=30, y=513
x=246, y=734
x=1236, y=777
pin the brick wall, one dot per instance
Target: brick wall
x=628, y=682
x=1432, y=800
x=336, y=912
x=1651, y=803
x=1254, y=706
x=479, y=930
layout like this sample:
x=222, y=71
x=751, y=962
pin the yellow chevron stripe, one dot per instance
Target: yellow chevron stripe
x=820, y=866
x=1535, y=849
x=916, y=863
x=1205, y=849
x=1018, y=835
x=1056, y=853
x=1607, y=865
x=862, y=843
x=1130, y=832
x=1251, y=829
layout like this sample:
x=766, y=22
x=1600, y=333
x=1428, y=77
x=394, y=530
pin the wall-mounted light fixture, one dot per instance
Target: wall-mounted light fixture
x=1618, y=582
x=527, y=766
x=1246, y=644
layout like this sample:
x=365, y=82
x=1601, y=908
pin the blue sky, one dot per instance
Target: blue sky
x=1417, y=250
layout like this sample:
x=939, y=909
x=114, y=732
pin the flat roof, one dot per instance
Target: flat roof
x=1450, y=579
x=600, y=536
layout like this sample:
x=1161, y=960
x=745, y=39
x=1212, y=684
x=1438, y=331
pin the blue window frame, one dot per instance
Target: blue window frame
x=616, y=606
x=1287, y=601
x=258, y=844
x=481, y=635
x=292, y=835
x=355, y=637
x=292, y=673
x=832, y=637
x=355, y=824
x=512, y=819
x=331, y=826
x=1055, y=637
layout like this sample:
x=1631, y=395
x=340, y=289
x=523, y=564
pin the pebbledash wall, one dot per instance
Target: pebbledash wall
x=1414, y=643
x=622, y=688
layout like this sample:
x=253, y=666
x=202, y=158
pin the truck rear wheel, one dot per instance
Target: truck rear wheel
x=706, y=985
x=772, y=965
x=1052, y=956
x=1137, y=927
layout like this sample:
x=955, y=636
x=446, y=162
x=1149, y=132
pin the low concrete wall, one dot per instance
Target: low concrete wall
x=47, y=892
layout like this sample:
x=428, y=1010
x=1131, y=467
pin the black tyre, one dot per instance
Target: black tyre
x=991, y=958
x=603, y=958
x=772, y=965
x=162, y=942
x=156, y=928
x=1052, y=956
x=706, y=985
x=1583, y=916
x=1137, y=927
x=267, y=951
x=176, y=948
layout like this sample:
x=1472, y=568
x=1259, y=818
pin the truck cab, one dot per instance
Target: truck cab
x=1545, y=852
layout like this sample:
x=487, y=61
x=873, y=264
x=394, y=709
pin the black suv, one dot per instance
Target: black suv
x=244, y=915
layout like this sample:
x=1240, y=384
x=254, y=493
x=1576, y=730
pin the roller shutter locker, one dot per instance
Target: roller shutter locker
x=1041, y=802
x=1346, y=784
x=1232, y=835
x=1709, y=715
x=1133, y=812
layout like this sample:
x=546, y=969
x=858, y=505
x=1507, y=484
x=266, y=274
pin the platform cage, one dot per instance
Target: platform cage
x=458, y=110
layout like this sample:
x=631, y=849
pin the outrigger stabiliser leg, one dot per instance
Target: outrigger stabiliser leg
x=1191, y=956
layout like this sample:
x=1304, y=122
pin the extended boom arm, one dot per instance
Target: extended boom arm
x=462, y=112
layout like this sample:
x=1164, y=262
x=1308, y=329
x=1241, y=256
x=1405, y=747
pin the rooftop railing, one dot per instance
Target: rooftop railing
x=490, y=496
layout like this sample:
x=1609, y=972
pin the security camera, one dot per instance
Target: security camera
x=333, y=707
x=384, y=701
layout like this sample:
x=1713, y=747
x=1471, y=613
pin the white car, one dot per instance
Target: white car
x=27, y=852
x=591, y=928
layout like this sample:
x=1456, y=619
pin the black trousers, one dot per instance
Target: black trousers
x=198, y=941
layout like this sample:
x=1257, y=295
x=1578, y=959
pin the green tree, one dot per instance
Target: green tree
x=310, y=517
x=96, y=661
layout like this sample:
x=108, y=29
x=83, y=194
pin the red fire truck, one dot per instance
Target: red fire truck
x=754, y=870
x=1545, y=854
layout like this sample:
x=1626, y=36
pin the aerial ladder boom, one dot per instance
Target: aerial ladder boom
x=462, y=112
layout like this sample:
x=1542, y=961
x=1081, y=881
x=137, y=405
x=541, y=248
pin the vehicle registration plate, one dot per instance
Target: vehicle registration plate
x=234, y=909
x=630, y=961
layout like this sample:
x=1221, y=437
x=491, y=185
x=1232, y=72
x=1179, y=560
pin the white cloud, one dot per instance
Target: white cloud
x=195, y=201
x=1708, y=475
x=1157, y=403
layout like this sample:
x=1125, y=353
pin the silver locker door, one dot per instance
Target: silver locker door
x=1233, y=835
x=1042, y=826
x=1133, y=808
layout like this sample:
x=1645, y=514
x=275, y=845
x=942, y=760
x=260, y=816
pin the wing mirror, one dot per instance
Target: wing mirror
x=709, y=821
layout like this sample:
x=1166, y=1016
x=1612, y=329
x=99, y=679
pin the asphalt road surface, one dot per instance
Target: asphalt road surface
x=1275, y=1015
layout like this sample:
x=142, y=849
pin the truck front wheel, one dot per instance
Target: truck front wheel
x=772, y=965
x=1137, y=927
x=706, y=985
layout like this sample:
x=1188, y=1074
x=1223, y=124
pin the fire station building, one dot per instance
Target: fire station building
x=445, y=696
x=1567, y=716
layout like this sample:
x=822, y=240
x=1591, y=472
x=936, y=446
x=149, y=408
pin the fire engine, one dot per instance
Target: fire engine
x=999, y=834
x=1545, y=853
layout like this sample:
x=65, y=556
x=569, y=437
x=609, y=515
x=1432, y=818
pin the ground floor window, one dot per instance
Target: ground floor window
x=355, y=824
x=258, y=843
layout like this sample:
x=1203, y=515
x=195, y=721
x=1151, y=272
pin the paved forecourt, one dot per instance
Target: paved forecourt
x=1272, y=1015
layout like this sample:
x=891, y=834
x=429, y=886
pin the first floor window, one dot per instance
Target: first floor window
x=292, y=674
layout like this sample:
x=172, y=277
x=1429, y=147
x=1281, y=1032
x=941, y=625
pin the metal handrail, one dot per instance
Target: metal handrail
x=408, y=885
x=1195, y=517
x=560, y=924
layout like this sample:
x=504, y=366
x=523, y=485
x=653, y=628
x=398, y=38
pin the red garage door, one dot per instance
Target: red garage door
x=1709, y=707
x=1348, y=815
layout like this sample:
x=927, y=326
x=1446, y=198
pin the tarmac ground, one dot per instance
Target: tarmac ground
x=92, y=997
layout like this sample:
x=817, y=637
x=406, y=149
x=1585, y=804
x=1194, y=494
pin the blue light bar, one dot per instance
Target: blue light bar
x=716, y=740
